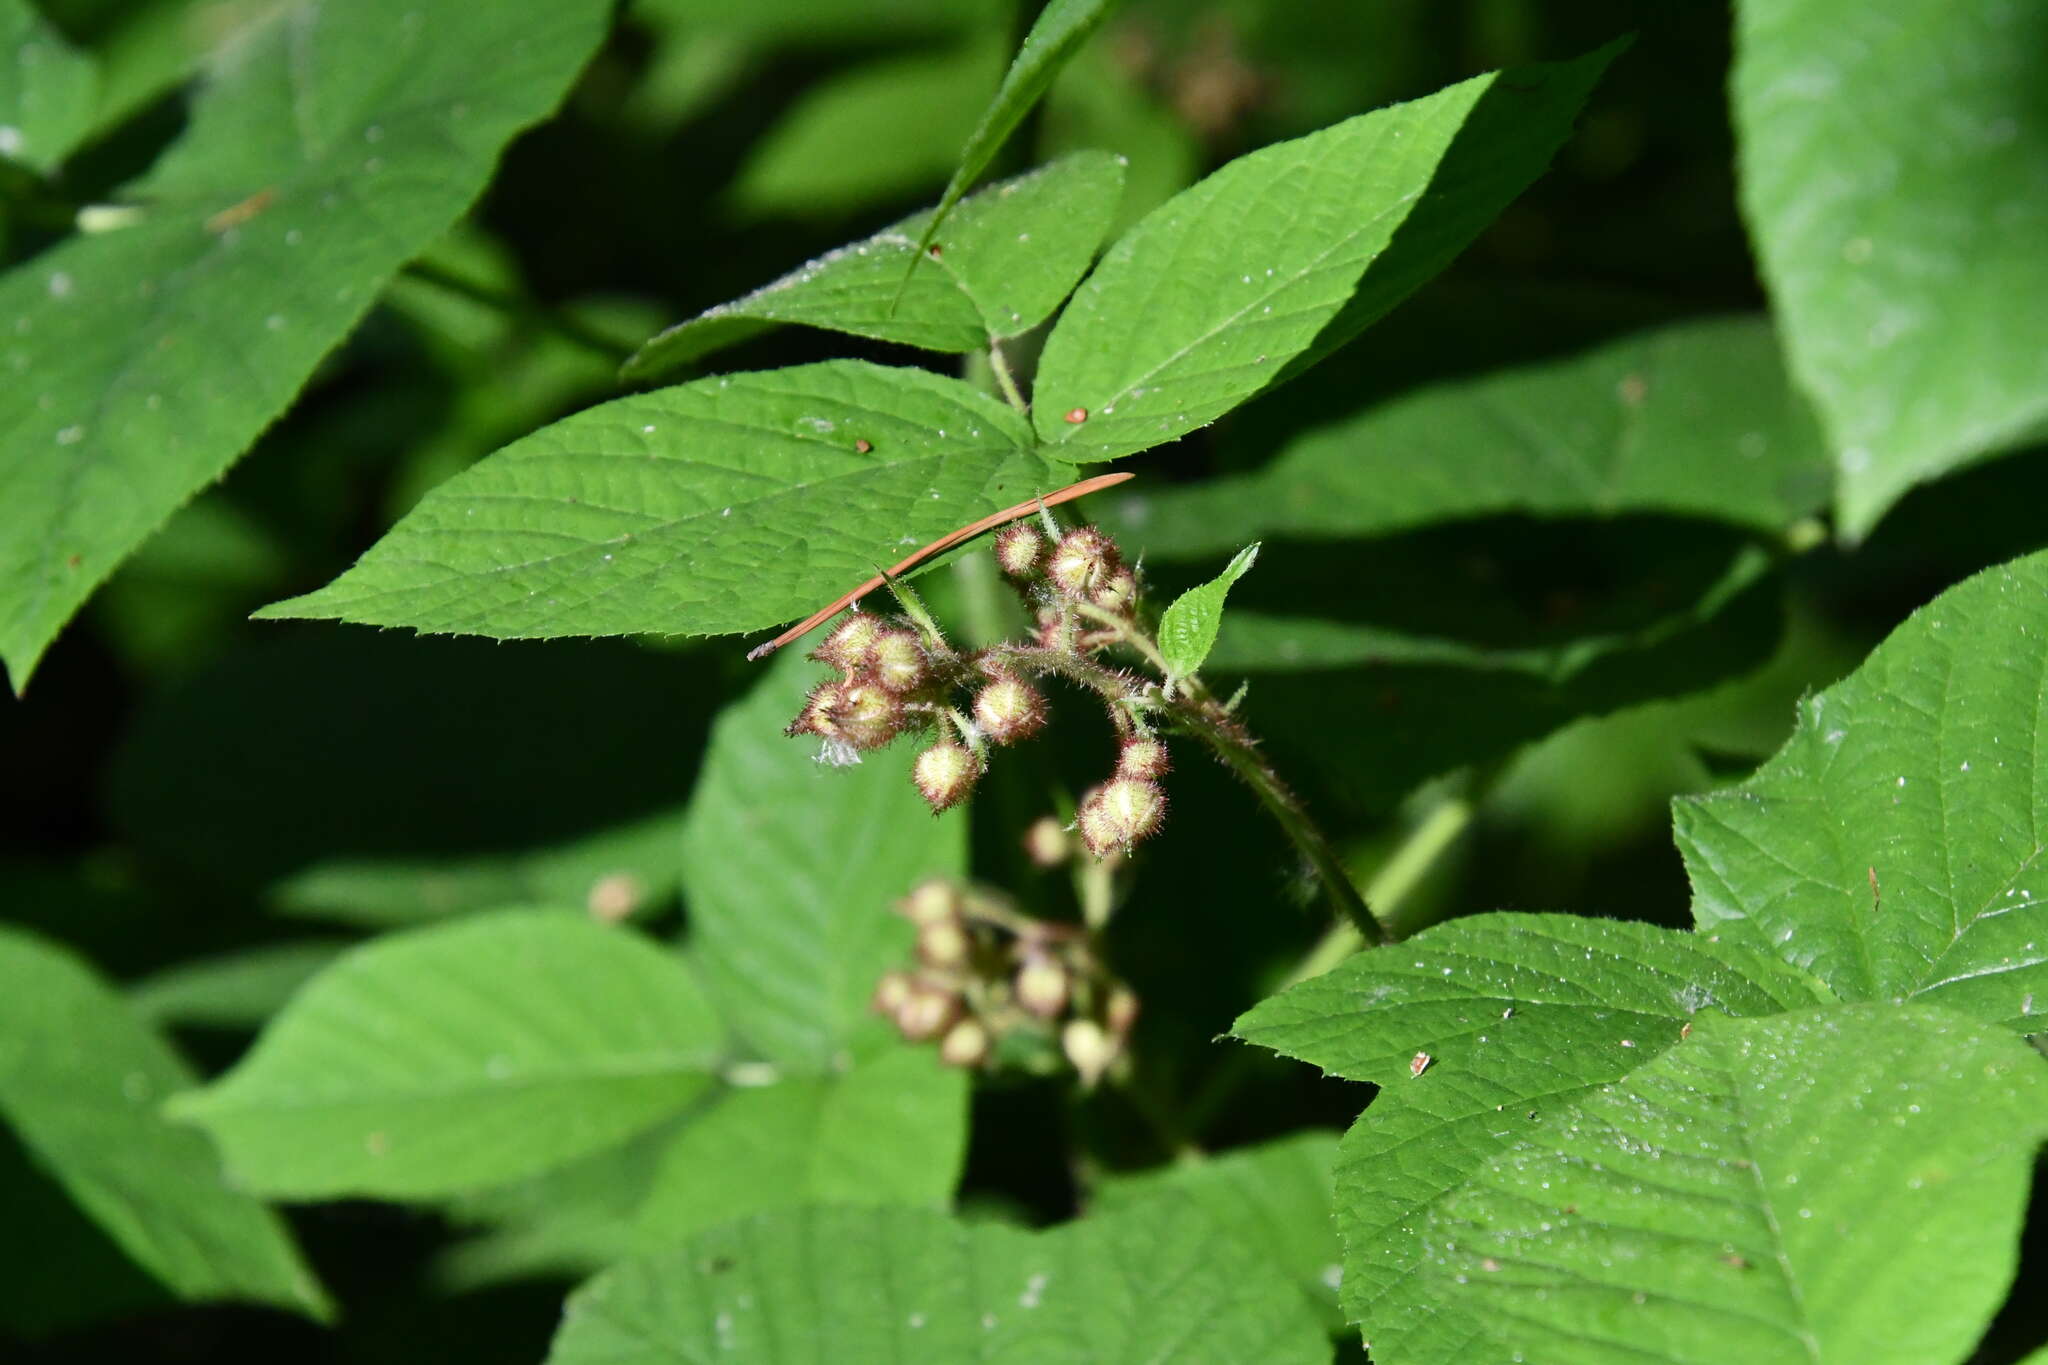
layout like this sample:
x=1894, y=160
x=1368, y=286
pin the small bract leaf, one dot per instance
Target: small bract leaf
x=1060, y=29
x=1891, y=847
x=1838, y=1185
x=1012, y=252
x=1187, y=628
x=460, y=1056
x=1152, y=348
x=1871, y=165
x=82, y=1081
x=727, y=504
x=139, y=362
x=866, y=1286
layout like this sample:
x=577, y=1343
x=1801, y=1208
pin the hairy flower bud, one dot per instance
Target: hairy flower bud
x=1018, y=549
x=1009, y=709
x=891, y=991
x=897, y=660
x=1117, y=592
x=857, y=711
x=944, y=945
x=930, y=902
x=1120, y=813
x=1046, y=843
x=1041, y=986
x=850, y=643
x=1089, y=1048
x=928, y=1011
x=1120, y=1011
x=945, y=774
x=1083, y=561
x=1143, y=758
x=965, y=1044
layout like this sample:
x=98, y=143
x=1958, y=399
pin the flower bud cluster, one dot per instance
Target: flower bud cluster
x=990, y=983
x=894, y=679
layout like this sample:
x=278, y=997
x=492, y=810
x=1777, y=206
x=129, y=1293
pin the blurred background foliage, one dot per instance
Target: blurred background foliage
x=186, y=784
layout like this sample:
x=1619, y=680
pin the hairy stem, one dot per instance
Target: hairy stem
x=1007, y=382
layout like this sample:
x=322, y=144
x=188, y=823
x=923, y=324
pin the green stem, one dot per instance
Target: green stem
x=1397, y=878
x=1004, y=379
x=554, y=319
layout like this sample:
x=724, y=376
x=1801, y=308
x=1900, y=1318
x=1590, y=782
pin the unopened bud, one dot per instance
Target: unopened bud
x=890, y=993
x=850, y=643
x=1089, y=1048
x=945, y=774
x=965, y=1044
x=1084, y=560
x=1120, y=813
x=1143, y=758
x=1018, y=548
x=1120, y=1011
x=1117, y=592
x=1041, y=987
x=897, y=660
x=943, y=944
x=1046, y=843
x=1009, y=709
x=928, y=1012
x=859, y=712
x=930, y=902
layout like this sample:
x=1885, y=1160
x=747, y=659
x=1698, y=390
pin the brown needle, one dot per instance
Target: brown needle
x=944, y=542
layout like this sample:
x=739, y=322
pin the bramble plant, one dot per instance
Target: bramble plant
x=1121, y=669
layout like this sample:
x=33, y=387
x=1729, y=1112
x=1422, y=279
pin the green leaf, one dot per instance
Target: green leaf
x=1832, y=1185
x=1009, y=257
x=1891, y=847
x=340, y=141
x=381, y=780
x=1695, y=419
x=1273, y=1200
x=1891, y=176
x=1200, y=305
x=234, y=990
x=823, y=22
x=790, y=868
x=724, y=505
x=890, y=1130
x=1187, y=628
x=1514, y=1017
x=1058, y=31
x=81, y=1079
x=461, y=1056
x=46, y=101
x=1157, y=1283
x=870, y=136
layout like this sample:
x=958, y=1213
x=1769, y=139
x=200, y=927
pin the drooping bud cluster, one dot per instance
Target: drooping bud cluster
x=990, y=983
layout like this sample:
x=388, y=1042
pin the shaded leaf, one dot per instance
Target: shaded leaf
x=1892, y=179
x=1273, y=1199
x=728, y=504
x=1009, y=256
x=1696, y=419
x=1151, y=347
x=890, y=1130
x=790, y=867
x=1893, y=847
x=234, y=990
x=1187, y=628
x=869, y=136
x=47, y=98
x=1513, y=1016
x=1058, y=31
x=339, y=142
x=81, y=1081
x=1159, y=1282
x=1830, y=1185
x=461, y=1056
